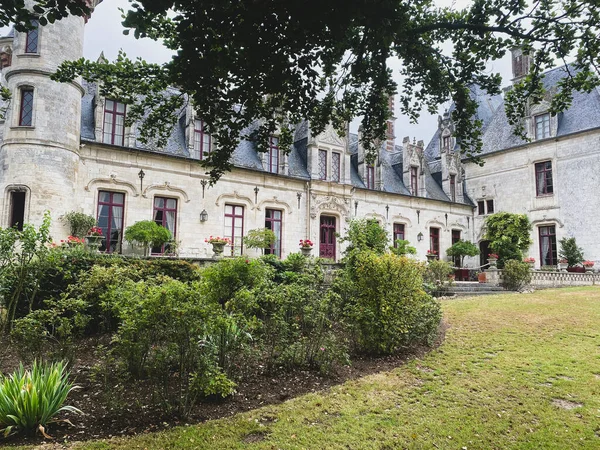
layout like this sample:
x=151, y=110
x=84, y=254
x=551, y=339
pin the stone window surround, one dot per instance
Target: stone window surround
x=553, y=237
x=22, y=40
x=16, y=116
x=176, y=224
x=329, y=163
x=485, y=201
x=534, y=174
x=7, y=202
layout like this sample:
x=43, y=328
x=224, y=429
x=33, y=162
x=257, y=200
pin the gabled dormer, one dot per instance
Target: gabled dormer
x=413, y=164
x=328, y=158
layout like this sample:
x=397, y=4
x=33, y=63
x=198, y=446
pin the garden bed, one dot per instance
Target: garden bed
x=129, y=409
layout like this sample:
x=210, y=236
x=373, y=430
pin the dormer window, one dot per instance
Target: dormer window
x=322, y=164
x=114, y=123
x=335, y=167
x=446, y=142
x=32, y=38
x=201, y=140
x=370, y=177
x=273, y=157
x=414, y=181
x=542, y=126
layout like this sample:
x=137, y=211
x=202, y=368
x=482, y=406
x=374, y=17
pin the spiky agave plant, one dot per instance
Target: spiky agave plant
x=29, y=399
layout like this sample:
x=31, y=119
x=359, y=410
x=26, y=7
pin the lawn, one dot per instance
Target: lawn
x=515, y=371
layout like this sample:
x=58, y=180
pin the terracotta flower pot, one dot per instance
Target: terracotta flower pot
x=481, y=277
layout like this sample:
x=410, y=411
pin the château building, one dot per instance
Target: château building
x=64, y=147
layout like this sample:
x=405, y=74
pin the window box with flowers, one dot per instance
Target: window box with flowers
x=531, y=261
x=218, y=245
x=94, y=239
x=431, y=255
x=589, y=266
x=493, y=260
x=306, y=246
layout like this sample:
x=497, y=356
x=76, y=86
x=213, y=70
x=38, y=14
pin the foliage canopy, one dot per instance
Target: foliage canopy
x=251, y=69
x=509, y=235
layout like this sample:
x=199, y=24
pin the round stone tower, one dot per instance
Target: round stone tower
x=39, y=151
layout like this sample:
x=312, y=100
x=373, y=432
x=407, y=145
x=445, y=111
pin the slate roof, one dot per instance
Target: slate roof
x=488, y=105
x=583, y=114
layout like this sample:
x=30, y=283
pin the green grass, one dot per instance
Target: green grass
x=494, y=384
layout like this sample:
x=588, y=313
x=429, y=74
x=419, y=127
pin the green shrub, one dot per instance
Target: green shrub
x=461, y=249
x=516, y=275
x=383, y=304
x=509, y=235
x=365, y=234
x=261, y=238
x=437, y=280
x=79, y=223
x=403, y=248
x=147, y=233
x=30, y=399
x=570, y=251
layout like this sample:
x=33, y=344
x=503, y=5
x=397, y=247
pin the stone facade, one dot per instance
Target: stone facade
x=59, y=162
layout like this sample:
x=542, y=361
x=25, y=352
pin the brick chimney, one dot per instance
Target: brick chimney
x=520, y=64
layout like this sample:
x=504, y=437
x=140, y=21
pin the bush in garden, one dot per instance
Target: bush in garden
x=461, y=249
x=516, y=275
x=436, y=278
x=296, y=329
x=509, y=235
x=222, y=281
x=402, y=248
x=30, y=399
x=382, y=303
x=365, y=234
x=162, y=334
x=23, y=259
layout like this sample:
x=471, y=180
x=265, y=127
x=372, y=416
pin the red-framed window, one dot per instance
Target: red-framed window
x=453, y=187
x=322, y=164
x=114, y=123
x=398, y=233
x=542, y=126
x=335, y=166
x=234, y=227
x=273, y=222
x=165, y=214
x=434, y=240
x=548, y=255
x=414, y=180
x=370, y=177
x=201, y=139
x=327, y=237
x=32, y=38
x=455, y=236
x=273, y=155
x=111, y=206
x=543, y=178
x=26, y=108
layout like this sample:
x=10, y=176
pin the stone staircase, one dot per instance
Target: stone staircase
x=470, y=288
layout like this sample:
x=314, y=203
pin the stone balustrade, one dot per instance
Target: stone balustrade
x=549, y=279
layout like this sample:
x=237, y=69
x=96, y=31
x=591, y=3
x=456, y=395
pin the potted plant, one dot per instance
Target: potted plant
x=431, y=255
x=570, y=252
x=306, y=246
x=72, y=241
x=531, y=261
x=563, y=263
x=218, y=245
x=79, y=223
x=481, y=277
x=589, y=266
x=147, y=233
x=493, y=260
x=459, y=250
x=94, y=238
x=261, y=238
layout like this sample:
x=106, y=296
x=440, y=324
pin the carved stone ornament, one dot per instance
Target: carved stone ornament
x=330, y=136
x=330, y=203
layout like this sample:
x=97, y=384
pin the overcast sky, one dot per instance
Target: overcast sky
x=104, y=33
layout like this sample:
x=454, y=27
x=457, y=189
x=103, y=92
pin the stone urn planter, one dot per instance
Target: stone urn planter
x=493, y=263
x=431, y=257
x=94, y=243
x=589, y=269
x=218, y=248
x=562, y=266
x=306, y=251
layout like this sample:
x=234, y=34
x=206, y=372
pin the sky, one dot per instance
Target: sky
x=104, y=33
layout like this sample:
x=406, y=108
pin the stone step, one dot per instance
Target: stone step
x=482, y=287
